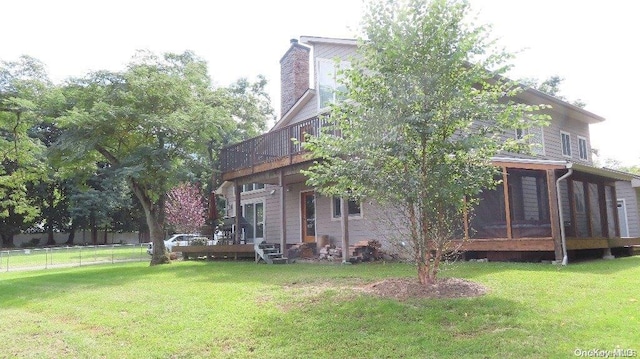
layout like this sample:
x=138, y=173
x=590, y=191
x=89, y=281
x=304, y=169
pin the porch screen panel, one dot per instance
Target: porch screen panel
x=594, y=211
x=489, y=219
x=529, y=202
x=611, y=206
x=259, y=232
x=582, y=222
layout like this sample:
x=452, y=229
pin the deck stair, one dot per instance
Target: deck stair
x=270, y=253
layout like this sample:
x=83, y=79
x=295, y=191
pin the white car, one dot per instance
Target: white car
x=181, y=239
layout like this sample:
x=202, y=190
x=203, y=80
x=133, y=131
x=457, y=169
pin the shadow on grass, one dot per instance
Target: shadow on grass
x=369, y=326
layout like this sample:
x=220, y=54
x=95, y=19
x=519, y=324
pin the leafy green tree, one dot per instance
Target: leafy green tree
x=150, y=123
x=24, y=90
x=426, y=108
x=551, y=86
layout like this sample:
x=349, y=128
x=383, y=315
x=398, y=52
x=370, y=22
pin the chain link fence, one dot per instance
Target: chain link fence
x=56, y=257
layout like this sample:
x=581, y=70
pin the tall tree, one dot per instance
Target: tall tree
x=24, y=90
x=146, y=123
x=426, y=110
x=551, y=86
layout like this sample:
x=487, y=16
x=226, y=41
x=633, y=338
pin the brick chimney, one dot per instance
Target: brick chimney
x=294, y=75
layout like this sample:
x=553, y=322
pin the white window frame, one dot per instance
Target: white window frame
x=343, y=65
x=583, y=140
x=253, y=187
x=562, y=147
x=351, y=216
x=536, y=148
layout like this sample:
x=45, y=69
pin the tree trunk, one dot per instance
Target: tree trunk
x=425, y=274
x=7, y=241
x=94, y=229
x=50, y=214
x=72, y=234
x=154, y=222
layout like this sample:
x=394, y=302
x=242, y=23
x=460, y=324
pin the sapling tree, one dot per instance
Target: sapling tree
x=426, y=108
x=185, y=208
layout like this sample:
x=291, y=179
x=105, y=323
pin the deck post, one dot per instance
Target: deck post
x=507, y=201
x=238, y=209
x=344, y=221
x=554, y=216
x=283, y=213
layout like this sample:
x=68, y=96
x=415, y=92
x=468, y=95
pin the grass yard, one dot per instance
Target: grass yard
x=71, y=256
x=244, y=310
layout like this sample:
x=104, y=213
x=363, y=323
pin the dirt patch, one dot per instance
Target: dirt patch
x=410, y=288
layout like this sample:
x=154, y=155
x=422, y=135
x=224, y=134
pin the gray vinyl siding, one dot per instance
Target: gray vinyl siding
x=629, y=194
x=272, y=214
x=553, y=142
x=309, y=110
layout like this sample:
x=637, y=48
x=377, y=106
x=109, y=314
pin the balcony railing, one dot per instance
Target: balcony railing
x=271, y=146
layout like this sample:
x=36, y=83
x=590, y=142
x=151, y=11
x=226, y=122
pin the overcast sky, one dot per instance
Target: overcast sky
x=592, y=44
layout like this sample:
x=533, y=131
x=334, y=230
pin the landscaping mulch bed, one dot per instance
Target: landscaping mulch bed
x=410, y=288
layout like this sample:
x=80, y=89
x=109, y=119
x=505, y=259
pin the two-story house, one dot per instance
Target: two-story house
x=550, y=203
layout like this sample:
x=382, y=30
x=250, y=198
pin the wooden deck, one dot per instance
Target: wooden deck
x=222, y=251
x=596, y=243
x=508, y=245
x=543, y=244
x=276, y=149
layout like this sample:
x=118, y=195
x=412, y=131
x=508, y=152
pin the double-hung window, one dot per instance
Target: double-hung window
x=354, y=208
x=582, y=148
x=566, y=143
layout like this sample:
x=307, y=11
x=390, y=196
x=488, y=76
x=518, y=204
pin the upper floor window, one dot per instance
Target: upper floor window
x=566, y=143
x=354, y=208
x=582, y=148
x=247, y=187
x=535, y=138
x=329, y=87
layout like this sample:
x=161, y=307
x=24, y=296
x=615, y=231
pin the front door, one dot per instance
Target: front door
x=308, y=215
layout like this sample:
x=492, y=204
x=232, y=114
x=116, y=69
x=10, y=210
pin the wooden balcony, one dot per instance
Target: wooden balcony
x=275, y=149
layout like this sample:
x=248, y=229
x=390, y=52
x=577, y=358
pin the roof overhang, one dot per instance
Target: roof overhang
x=327, y=40
x=529, y=162
x=559, y=106
x=302, y=101
x=604, y=172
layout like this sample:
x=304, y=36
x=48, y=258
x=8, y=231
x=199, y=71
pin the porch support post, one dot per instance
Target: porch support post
x=344, y=221
x=554, y=215
x=238, y=209
x=507, y=206
x=602, y=201
x=283, y=214
x=614, y=201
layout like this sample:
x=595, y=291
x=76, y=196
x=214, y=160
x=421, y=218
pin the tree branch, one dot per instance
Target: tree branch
x=108, y=155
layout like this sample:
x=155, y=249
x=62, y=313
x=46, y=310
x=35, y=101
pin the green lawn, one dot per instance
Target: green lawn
x=244, y=310
x=18, y=259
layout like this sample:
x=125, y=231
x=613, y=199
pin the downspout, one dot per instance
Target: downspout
x=563, y=237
